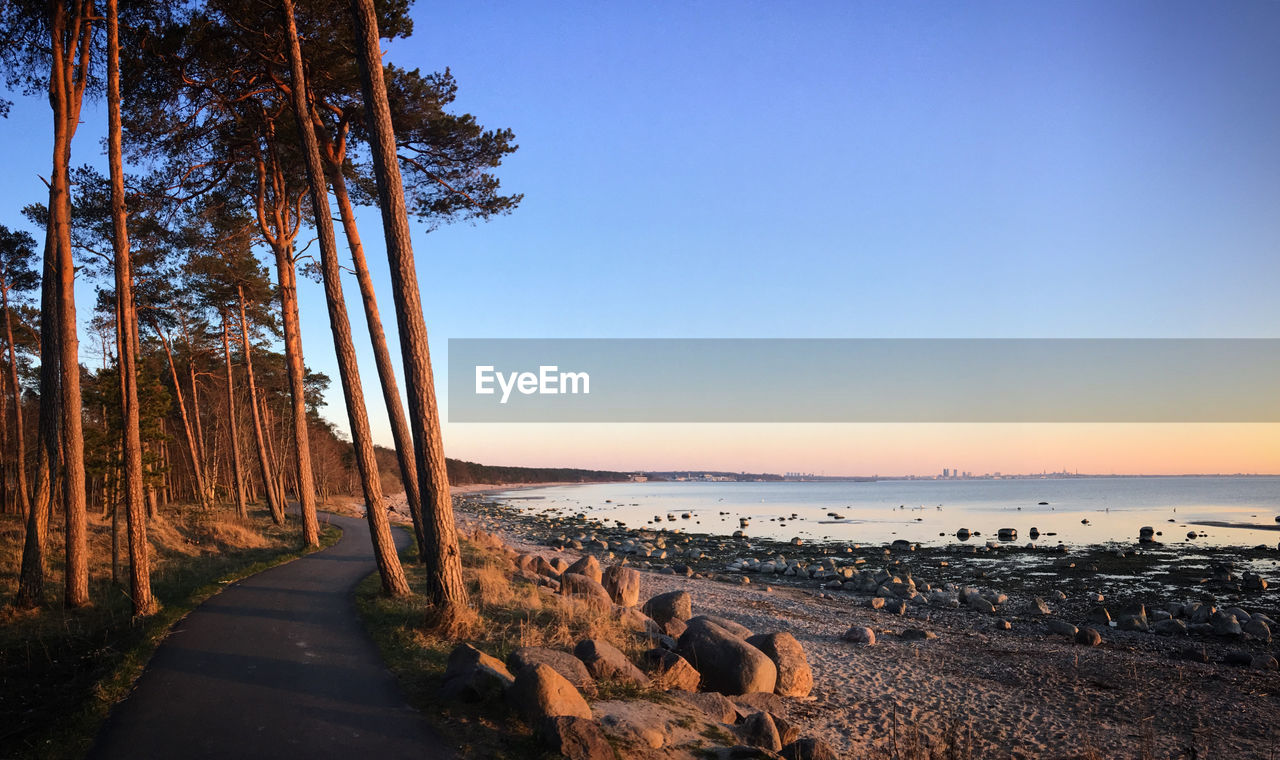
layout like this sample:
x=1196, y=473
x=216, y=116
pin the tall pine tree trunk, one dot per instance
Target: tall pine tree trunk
x=71, y=39
x=444, y=563
x=242, y=509
x=20, y=441
x=400, y=435
x=136, y=511
x=384, y=548
x=268, y=477
x=288, y=276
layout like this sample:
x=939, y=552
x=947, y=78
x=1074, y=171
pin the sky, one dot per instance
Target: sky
x=845, y=169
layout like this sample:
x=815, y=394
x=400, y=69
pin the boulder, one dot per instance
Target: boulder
x=559, y=564
x=575, y=584
x=1088, y=637
x=714, y=704
x=473, y=676
x=981, y=604
x=1060, y=627
x=673, y=605
x=604, y=660
x=741, y=631
x=895, y=606
x=1170, y=627
x=1038, y=606
x=860, y=635
x=727, y=663
x=759, y=730
x=808, y=749
x=589, y=566
x=623, y=585
x=575, y=738
x=1257, y=629
x=539, y=692
x=795, y=679
x=568, y=666
x=669, y=670
x=1098, y=615
x=1225, y=624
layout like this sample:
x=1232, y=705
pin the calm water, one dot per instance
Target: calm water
x=919, y=510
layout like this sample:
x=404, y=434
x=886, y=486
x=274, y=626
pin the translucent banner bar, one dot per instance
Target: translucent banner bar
x=864, y=380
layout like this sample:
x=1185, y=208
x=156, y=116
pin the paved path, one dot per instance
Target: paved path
x=276, y=666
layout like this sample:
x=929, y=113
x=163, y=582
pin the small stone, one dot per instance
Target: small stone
x=669, y=670
x=917, y=634
x=860, y=635
x=1264, y=662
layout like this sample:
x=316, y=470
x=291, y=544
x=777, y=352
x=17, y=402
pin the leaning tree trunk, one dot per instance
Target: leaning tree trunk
x=127, y=330
x=400, y=435
x=66, y=90
x=444, y=563
x=20, y=441
x=242, y=509
x=273, y=496
x=31, y=577
x=288, y=276
x=197, y=471
x=384, y=548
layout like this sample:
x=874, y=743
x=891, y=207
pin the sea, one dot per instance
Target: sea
x=1074, y=511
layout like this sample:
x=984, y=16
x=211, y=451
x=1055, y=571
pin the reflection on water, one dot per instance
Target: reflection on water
x=1077, y=511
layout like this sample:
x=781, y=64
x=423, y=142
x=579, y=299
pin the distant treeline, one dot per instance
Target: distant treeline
x=465, y=473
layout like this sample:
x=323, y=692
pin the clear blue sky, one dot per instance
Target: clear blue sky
x=934, y=169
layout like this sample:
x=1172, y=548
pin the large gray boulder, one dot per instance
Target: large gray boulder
x=473, y=676
x=673, y=605
x=759, y=730
x=727, y=663
x=604, y=660
x=539, y=692
x=568, y=666
x=795, y=678
x=741, y=631
x=575, y=584
x=623, y=584
x=575, y=738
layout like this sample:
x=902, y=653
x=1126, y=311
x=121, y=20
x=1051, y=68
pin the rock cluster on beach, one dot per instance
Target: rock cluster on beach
x=723, y=680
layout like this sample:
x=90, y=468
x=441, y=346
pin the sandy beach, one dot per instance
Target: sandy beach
x=1024, y=692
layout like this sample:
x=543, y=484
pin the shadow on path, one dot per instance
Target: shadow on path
x=275, y=666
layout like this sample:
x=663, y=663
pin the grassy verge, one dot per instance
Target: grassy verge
x=508, y=613
x=62, y=670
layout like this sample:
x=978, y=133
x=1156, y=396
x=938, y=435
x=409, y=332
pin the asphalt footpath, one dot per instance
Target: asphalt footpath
x=275, y=666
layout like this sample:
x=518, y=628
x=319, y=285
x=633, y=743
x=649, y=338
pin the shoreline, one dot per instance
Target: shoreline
x=1023, y=691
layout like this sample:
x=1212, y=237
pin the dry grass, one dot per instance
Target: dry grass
x=63, y=669
x=507, y=612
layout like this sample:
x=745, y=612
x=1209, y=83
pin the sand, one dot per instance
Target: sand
x=1022, y=693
